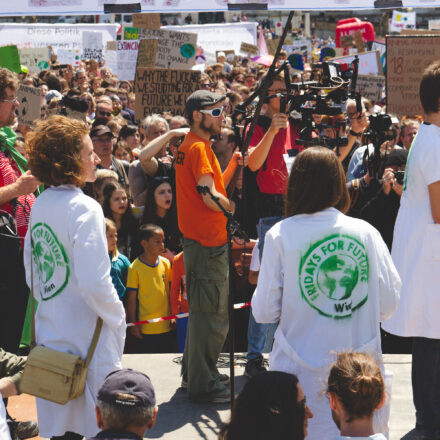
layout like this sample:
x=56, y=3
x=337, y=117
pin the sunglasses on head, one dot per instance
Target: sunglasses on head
x=215, y=112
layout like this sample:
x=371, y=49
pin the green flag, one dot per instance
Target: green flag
x=10, y=58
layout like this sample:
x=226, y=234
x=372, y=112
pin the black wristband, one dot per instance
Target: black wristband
x=353, y=133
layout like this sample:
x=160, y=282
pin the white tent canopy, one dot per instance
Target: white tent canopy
x=92, y=7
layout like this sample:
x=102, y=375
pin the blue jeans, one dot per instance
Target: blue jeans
x=425, y=377
x=260, y=336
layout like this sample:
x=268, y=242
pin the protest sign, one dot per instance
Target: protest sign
x=110, y=57
x=130, y=33
x=402, y=20
x=59, y=36
x=29, y=109
x=347, y=40
x=35, y=60
x=159, y=90
x=175, y=50
x=126, y=57
x=303, y=46
x=369, y=62
x=213, y=36
x=92, y=46
x=271, y=46
x=10, y=58
x=147, y=53
x=249, y=49
x=69, y=56
x=370, y=86
x=146, y=21
x=407, y=58
x=434, y=24
x=359, y=41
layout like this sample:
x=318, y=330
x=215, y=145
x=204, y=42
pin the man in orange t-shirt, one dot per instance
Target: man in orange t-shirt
x=205, y=253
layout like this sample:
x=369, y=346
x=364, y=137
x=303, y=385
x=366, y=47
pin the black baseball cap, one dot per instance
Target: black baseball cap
x=201, y=99
x=396, y=157
x=127, y=387
x=100, y=130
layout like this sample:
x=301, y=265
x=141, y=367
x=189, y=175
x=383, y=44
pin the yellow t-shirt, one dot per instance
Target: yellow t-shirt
x=153, y=293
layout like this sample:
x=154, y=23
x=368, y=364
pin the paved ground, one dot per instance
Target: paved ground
x=180, y=419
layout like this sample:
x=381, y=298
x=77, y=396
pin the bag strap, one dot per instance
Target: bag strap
x=99, y=322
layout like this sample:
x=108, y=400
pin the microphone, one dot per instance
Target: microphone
x=202, y=189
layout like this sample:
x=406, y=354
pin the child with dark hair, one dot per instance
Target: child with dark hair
x=148, y=290
x=272, y=406
x=356, y=389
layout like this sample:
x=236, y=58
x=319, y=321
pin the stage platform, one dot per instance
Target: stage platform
x=181, y=419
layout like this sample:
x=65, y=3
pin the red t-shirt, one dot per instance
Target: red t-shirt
x=272, y=177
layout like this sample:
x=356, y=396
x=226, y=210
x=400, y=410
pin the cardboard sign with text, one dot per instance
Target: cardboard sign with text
x=272, y=46
x=159, y=90
x=249, y=49
x=370, y=86
x=29, y=109
x=407, y=58
x=146, y=21
x=36, y=59
x=175, y=50
x=147, y=53
x=359, y=41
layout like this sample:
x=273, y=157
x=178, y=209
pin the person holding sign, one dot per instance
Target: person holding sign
x=416, y=253
x=327, y=278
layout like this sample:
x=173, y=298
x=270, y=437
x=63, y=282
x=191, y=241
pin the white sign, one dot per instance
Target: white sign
x=402, y=20
x=35, y=60
x=434, y=25
x=213, y=37
x=92, y=46
x=59, y=36
x=29, y=109
x=370, y=86
x=126, y=57
x=369, y=62
x=69, y=56
x=298, y=46
x=175, y=50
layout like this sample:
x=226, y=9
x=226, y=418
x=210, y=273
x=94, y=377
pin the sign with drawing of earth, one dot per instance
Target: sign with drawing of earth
x=334, y=275
x=51, y=261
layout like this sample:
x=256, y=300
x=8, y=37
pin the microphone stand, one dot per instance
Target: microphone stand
x=233, y=228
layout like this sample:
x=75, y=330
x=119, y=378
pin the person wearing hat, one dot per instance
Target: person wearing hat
x=126, y=406
x=204, y=245
x=102, y=138
x=221, y=58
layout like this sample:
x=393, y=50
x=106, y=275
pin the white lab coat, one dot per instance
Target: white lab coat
x=416, y=242
x=73, y=288
x=329, y=280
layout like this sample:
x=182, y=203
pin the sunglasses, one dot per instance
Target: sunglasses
x=10, y=101
x=215, y=112
x=216, y=137
x=205, y=86
x=104, y=113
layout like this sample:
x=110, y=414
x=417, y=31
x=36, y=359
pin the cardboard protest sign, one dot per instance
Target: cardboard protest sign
x=147, y=53
x=359, y=41
x=159, y=90
x=250, y=49
x=146, y=21
x=347, y=40
x=271, y=46
x=369, y=62
x=175, y=50
x=370, y=86
x=126, y=58
x=29, y=109
x=35, y=60
x=407, y=58
x=92, y=46
x=10, y=58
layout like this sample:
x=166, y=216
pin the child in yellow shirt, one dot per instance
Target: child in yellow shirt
x=148, y=288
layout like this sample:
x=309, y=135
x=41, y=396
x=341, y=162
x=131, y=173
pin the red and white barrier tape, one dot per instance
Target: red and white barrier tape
x=181, y=315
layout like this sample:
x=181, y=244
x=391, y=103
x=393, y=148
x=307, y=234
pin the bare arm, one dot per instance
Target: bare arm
x=7, y=387
x=131, y=313
x=253, y=277
x=434, y=199
x=25, y=184
x=207, y=180
x=237, y=159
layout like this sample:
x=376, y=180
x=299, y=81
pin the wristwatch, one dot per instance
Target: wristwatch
x=353, y=133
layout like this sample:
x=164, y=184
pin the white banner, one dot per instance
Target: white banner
x=59, y=36
x=93, y=7
x=213, y=37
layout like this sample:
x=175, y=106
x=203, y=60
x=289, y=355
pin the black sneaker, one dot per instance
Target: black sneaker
x=22, y=430
x=254, y=367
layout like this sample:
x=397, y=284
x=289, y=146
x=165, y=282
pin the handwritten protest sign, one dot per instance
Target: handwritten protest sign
x=146, y=21
x=92, y=46
x=407, y=58
x=370, y=86
x=35, y=60
x=175, y=50
x=250, y=49
x=29, y=109
x=69, y=56
x=369, y=62
x=9, y=58
x=271, y=46
x=126, y=57
x=147, y=53
x=159, y=90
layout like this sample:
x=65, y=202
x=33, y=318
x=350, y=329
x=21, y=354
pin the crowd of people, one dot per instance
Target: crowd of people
x=122, y=220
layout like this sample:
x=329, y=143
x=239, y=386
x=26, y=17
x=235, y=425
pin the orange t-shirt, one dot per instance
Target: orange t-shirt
x=196, y=221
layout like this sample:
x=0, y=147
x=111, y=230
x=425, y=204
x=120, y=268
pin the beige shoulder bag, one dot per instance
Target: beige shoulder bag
x=54, y=375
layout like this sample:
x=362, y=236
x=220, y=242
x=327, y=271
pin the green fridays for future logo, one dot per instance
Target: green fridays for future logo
x=333, y=276
x=51, y=260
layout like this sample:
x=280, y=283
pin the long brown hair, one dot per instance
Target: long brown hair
x=316, y=182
